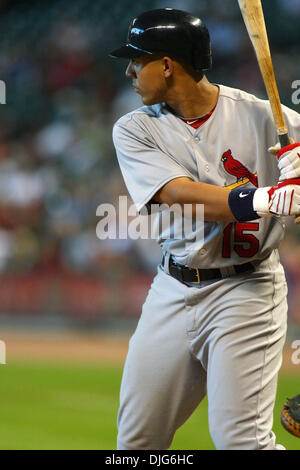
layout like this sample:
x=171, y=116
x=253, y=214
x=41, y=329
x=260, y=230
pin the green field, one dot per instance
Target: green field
x=46, y=406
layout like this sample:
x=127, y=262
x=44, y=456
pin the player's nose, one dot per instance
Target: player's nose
x=130, y=73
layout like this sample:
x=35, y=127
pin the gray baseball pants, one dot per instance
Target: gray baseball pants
x=223, y=339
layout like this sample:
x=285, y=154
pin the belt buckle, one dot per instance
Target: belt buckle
x=198, y=277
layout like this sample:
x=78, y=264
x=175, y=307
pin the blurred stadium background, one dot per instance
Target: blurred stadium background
x=69, y=301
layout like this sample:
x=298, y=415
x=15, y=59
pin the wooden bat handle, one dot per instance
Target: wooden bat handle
x=253, y=16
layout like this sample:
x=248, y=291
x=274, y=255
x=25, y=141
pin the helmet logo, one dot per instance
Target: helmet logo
x=136, y=31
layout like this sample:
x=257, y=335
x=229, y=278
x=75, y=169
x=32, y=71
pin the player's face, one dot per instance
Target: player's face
x=147, y=79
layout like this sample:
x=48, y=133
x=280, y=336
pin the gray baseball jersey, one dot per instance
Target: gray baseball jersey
x=154, y=146
x=225, y=334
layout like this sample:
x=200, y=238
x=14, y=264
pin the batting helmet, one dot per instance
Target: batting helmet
x=171, y=31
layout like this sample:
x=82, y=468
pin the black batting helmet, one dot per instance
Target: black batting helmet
x=171, y=31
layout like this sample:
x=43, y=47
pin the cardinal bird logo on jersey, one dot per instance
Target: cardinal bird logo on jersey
x=237, y=169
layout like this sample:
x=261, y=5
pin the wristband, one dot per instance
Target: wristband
x=241, y=204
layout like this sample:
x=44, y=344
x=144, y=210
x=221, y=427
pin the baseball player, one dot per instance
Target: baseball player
x=214, y=320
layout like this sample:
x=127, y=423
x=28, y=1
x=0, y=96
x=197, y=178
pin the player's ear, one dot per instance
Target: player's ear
x=168, y=66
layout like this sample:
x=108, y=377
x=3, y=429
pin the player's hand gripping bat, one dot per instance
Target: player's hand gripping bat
x=253, y=16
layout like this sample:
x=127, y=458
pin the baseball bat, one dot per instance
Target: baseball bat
x=253, y=16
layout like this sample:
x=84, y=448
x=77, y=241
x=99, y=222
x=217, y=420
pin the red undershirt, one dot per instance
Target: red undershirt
x=195, y=123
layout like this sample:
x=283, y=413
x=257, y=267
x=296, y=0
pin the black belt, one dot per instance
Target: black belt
x=185, y=274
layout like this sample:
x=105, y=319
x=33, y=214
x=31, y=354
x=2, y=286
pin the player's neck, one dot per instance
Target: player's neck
x=194, y=100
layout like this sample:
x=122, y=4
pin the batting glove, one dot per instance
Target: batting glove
x=282, y=199
x=288, y=160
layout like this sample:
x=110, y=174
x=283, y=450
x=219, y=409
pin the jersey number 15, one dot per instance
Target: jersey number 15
x=235, y=237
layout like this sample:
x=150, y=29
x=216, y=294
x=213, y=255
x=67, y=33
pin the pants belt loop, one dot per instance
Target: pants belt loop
x=231, y=271
x=166, y=262
x=226, y=271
